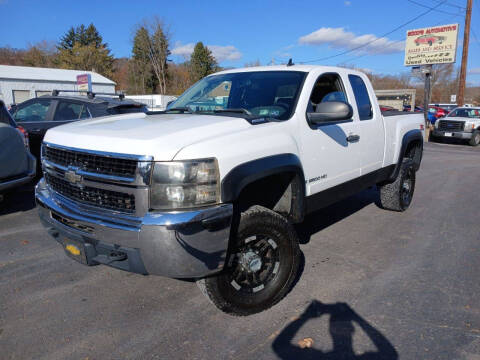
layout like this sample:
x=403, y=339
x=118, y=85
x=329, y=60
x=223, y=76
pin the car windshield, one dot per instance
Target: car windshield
x=465, y=113
x=270, y=94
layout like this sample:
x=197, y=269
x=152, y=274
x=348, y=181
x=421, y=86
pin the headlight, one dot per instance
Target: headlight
x=184, y=184
x=469, y=126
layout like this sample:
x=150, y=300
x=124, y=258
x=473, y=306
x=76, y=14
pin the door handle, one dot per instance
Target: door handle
x=353, y=138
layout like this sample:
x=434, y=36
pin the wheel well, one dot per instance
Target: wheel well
x=414, y=151
x=282, y=193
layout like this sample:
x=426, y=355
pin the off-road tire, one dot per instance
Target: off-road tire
x=264, y=224
x=393, y=195
x=475, y=140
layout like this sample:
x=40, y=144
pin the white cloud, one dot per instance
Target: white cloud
x=339, y=38
x=221, y=53
x=347, y=3
x=183, y=50
x=474, y=71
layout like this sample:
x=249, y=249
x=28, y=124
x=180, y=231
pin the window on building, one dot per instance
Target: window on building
x=20, y=96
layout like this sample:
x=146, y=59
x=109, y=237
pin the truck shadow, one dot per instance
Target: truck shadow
x=323, y=218
x=341, y=328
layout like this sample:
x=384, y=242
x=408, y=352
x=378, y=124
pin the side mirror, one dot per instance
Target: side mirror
x=330, y=112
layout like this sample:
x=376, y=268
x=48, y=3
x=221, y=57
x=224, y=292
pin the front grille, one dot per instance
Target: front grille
x=448, y=125
x=106, y=199
x=91, y=162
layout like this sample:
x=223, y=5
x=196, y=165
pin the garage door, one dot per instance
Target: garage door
x=39, y=93
x=20, y=96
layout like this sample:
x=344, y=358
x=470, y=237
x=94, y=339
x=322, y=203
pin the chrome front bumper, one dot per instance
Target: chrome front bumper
x=182, y=244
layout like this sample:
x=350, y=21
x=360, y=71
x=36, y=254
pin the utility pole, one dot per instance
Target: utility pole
x=427, y=71
x=463, y=70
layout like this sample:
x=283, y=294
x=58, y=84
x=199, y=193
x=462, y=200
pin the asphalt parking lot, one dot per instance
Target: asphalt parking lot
x=383, y=284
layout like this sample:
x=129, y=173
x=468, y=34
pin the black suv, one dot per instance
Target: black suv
x=38, y=115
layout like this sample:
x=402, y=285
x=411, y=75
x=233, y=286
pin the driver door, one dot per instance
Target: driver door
x=329, y=158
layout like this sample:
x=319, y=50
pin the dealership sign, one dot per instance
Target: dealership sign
x=432, y=45
x=84, y=82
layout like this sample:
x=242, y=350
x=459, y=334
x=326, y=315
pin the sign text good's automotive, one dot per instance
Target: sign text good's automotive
x=431, y=45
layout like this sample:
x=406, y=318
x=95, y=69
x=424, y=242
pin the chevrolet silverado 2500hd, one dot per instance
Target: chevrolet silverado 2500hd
x=210, y=188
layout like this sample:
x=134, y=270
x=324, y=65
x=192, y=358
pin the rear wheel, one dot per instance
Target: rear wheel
x=475, y=140
x=398, y=195
x=262, y=265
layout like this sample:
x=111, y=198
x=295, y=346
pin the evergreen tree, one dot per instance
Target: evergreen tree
x=202, y=62
x=82, y=48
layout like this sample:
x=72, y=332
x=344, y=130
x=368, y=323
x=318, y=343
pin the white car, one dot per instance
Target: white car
x=210, y=189
x=461, y=123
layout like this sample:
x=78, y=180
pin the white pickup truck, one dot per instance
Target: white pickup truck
x=209, y=189
x=461, y=123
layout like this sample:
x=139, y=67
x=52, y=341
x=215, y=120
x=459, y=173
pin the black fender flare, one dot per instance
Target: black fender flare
x=242, y=175
x=408, y=138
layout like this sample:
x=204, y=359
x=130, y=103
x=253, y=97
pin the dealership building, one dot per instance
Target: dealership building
x=20, y=83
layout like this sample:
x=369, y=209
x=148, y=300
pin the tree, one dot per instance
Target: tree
x=87, y=57
x=151, y=52
x=202, y=62
x=143, y=77
x=42, y=54
x=83, y=48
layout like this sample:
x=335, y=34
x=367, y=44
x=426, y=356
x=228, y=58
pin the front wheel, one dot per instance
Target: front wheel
x=475, y=140
x=262, y=265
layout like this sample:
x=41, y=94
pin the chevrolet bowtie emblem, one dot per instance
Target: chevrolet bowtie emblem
x=72, y=177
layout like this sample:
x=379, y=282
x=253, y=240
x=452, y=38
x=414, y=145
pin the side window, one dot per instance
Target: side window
x=328, y=87
x=360, y=91
x=35, y=111
x=68, y=111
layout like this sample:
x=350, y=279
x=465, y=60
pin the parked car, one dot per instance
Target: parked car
x=210, y=191
x=38, y=115
x=429, y=39
x=461, y=123
x=17, y=165
x=387, y=108
x=416, y=109
x=435, y=113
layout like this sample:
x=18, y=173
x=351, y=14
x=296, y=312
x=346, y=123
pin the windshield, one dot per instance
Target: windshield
x=465, y=113
x=270, y=94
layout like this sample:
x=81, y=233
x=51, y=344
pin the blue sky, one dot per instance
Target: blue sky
x=244, y=31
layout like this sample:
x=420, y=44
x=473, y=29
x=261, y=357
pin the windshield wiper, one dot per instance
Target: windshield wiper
x=182, y=109
x=233, y=110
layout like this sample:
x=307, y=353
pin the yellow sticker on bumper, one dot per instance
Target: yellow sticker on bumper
x=72, y=249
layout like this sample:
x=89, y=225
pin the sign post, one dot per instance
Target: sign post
x=84, y=83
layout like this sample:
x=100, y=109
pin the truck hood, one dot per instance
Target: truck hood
x=161, y=136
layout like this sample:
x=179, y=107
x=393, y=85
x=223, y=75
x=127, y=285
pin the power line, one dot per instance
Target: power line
x=451, y=4
x=395, y=42
x=372, y=41
x=437, y=10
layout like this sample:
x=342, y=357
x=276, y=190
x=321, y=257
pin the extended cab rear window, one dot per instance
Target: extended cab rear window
x=362, y=99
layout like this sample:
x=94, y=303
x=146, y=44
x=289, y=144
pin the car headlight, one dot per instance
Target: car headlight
x=469, y=126
x=184, y=184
